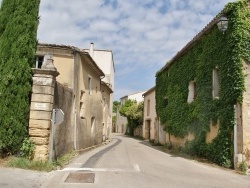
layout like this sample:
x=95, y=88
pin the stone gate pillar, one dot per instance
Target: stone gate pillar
x=41, y=107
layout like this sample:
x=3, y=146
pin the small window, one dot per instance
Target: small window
x=39, y=62
x=148, y=107
x=165, y=102
x=82, y=109
x=90, y=85
x=82, y=95
x=216, y=83
x=92, y=125
x=191, y=91
x=104, y=103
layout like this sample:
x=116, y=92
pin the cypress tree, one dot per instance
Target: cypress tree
x=18, y=31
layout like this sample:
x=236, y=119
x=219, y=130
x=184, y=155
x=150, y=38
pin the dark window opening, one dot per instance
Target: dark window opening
x=39, y=62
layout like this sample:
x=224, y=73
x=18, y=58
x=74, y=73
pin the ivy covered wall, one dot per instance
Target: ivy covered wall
x=211, y=49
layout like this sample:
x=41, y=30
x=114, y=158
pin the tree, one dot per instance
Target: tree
x=116, y=104
x=18, y=30
x=134, y=113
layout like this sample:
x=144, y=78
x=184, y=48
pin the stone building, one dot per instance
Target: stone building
x=80, y=92
x=151, y=128
x=104, y=59
x=121, y=121
x=203, y=92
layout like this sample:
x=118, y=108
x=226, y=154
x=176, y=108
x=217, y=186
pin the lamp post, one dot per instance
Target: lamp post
x=222, y=23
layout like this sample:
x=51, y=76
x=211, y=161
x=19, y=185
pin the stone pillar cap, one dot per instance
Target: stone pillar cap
x=48, y=63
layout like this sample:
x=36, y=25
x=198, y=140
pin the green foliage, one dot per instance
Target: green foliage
x=18, y=29
x=243, y=167
x=116, y=104
x=24, y=163
x=19, y=162
x=27, y=149
x=214, y=50
x=114, y=119
x=134, y=113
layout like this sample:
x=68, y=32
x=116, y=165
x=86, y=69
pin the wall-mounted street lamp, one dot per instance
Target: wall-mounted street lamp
x=222, y=23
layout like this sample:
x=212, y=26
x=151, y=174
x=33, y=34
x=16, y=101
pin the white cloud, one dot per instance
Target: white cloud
x=140, y=33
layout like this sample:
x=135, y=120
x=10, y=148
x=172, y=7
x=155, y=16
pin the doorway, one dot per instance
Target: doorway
x=147, y=129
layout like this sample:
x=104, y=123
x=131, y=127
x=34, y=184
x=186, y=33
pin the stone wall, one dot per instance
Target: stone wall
x=244, y=120
x=64, y=133
x=138, y=131
x=41, y=108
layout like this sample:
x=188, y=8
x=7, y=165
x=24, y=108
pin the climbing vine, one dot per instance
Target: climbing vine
x=226, y=52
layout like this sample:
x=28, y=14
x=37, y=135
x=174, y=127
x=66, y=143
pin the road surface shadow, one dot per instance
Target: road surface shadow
x=162, y=149
x=91, y=162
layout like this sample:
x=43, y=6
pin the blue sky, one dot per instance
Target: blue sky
x=143, y=34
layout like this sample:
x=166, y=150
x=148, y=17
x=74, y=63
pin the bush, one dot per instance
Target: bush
x=27, y=149
x=243, y=167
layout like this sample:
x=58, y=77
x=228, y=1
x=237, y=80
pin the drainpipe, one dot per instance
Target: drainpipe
x=75, y=84
x=235, y=135
x=158, y=130
x=75, y=130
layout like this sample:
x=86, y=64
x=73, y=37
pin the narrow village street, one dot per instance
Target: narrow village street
x=76, y=76
x=127, y=162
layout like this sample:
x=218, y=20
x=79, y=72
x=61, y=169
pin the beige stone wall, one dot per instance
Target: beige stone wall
x=42, y=99
x=149, y=115
x=156, y=130
x=121, y=123
x=138, y=131
x=244, y=129
x=176, y=141
x=64, y=133
x=88, y=134
x=107, y=119
x=64, y=63
x=213, y=132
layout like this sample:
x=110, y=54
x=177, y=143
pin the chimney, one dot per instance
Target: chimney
x=91, y=50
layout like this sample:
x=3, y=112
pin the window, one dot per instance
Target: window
x=191, y=91
x=148, y=107
x=165, y=102
x=39, y=62
x=216, y=83
x=104, y=103
x=90, y=85
x=82, y=112
x=92, y=125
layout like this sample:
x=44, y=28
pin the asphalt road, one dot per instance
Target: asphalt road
x=129, y=163
x=20, y=178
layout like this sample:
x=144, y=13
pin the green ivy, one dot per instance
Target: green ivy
x=227, y=52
